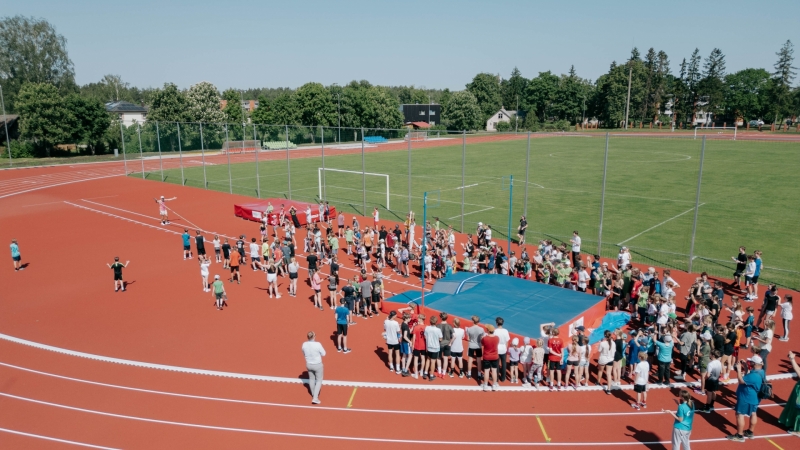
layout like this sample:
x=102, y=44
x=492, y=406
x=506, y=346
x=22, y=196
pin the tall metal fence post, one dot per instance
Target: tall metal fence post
x=258, y=149
x=288, y=164
x=527, y=166
x=510, y=210
x=697, y=203
x=160, y=161
x=463, y=174
x=141, y=154
x=602, y=201
x=203, y=157
x=5, y=124
x=228, y=153
x=322, y=141
x=122, y=136
x=363, y=176
x=180, y=153
x=409, y=170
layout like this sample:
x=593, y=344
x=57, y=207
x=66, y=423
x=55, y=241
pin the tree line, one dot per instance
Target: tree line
x=38, y=82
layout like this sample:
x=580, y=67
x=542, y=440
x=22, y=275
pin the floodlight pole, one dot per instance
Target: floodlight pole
x=527, y=168
x=628, y=101
x=424, y=246
x=203, y=156
x=602, y=201
x=258, y=149
x=363, y=176
x=180, y=153
x=409, y=170
x=5, y=124
x=323, y=193
x=288, y=164
x=122, y=137
x=228, y=153
x=510, y=210
x=141, y=154
x=160, y=161
x=697, y=202
x=463, y=173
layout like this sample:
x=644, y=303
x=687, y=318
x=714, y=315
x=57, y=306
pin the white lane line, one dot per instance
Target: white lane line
x=123, y=218
x=355, y=438
x=58, y=184
x=42, y=204
x=297, y=380
x=331, y=408
x=48, y=438
x=473, y=212
x=658, y=225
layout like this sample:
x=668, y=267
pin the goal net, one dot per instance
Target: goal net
x=715, y=132
x=417, y=136
x=246, y=146
x=353, y=186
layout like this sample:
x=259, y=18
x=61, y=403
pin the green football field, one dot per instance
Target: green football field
x=749, y=193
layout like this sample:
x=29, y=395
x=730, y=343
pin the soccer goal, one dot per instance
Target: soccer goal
x=417, y=136
x=350, y=180
x=715, y=132
x=246, y=146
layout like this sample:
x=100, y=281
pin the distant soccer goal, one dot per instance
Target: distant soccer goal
x=334, y=182
x=246, y=146
x=417, y=136
x=715, y=132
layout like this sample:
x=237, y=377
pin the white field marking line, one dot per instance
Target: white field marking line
x=48, y=438
x=384, y=193
x=123, y=218
x=58, y=184
x=331, y=408
x=473, y=212
x=662, y=223
x=294, y=380
x=609, y=194
x=354, y=438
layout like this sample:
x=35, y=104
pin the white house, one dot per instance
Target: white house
x=499, y=116
x=127, y=112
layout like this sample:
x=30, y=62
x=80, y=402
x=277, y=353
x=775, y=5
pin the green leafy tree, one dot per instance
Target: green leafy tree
x=44, y=119
x=368, y=106
x=569, y=97
x=88, y=121
x=782, y=80
x=167, y=105
x=31, y=51
x=540, y=93
x=513, y=89
x=203, y=105
x=409, y=95
x=461, y=112
x=747, y=94
x=712, y=87
x=486, y=89
x=234, y=113
x=284, y=110
x=315, y=105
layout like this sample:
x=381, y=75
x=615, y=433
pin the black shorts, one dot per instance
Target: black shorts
x=187, y=248
x=475, y=352
x=445, y=351
x=639, y=388
x=416, y=352
x=457, y=354
x=292, y=275
x=491, y=364
x=201, y=250
x=216, y=251
x=433, y=355
x=226, y=255
x=755, y=279
x=554, y=365
x=738, y=274
x=234, y=269
x=117, y=277
x=341, y=329
x=712, y=385
x=376, y=297
x=727, y=351
x=572, y=363
x=393, y=347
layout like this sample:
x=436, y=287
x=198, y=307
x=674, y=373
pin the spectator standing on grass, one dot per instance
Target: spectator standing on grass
x=741, y=265
x=119, y=283
x=790, y=417
x=313, y=351
x=576, y=248
x=523, y=225
x=684, y=416
x=15, y=256
x=391, y=332
x=749, y=273
x=747, y=397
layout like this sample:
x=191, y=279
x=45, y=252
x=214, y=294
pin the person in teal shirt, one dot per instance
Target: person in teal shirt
x=684, y=417
x=15, y=255
x=664, y=350
x=187, y=244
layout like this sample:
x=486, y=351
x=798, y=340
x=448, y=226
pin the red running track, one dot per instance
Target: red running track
x=64, y=298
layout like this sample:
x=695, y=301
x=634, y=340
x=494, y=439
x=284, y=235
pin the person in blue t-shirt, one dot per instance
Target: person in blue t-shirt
x=187, y=244
x=15, y=255
x=682, y=428
x=342, y=314
x=747, y=397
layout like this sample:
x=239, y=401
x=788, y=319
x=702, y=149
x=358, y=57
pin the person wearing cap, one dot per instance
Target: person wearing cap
x=711, y=379
x=747, y=397
x=218, y=292
x=119, y=283
x=162, y=209
x=489, y=344
x=313, y=352
x=664, y=348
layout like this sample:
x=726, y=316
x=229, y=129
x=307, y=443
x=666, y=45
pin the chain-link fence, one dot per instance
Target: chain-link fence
x=675, y=200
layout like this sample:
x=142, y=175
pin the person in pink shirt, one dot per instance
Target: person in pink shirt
x=316, y=285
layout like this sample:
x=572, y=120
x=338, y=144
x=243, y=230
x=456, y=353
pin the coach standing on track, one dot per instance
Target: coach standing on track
x=15, y=256
x=117, y=267
x=313, y=352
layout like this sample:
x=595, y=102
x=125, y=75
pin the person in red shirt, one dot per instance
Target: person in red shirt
x=491, y=358
x=419, y=345
x=554, y=358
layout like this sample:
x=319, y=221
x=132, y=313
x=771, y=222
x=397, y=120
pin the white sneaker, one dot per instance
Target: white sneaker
x=494, y=387
x=485, y=387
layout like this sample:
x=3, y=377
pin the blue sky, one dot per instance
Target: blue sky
x=436, y=44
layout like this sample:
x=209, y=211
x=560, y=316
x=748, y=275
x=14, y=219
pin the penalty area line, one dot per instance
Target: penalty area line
x=658, y=225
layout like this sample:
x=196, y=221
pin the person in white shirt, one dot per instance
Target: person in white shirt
x=641, y=373
x=255, y=254
x=583, y=278
x=457, y=347
x=502, y=347
x=313, y=352
x=605, y=360
x=786, y=315
x=713, y=372
x=623, y=258
x=204, y=263
x=576, y=248
x=526, y=359
x=433, y=341
x=308, y=215
x=391, y=332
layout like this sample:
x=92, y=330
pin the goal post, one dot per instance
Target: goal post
x=320, y=183
x=416, y=136
x=714, y=131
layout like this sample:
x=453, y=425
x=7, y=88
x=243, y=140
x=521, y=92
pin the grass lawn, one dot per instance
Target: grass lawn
x=749, y=193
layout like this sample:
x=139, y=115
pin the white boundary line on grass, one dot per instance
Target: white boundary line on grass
x=473, y=212
x=371, y=411
x=297, y=380
x=662, y=223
